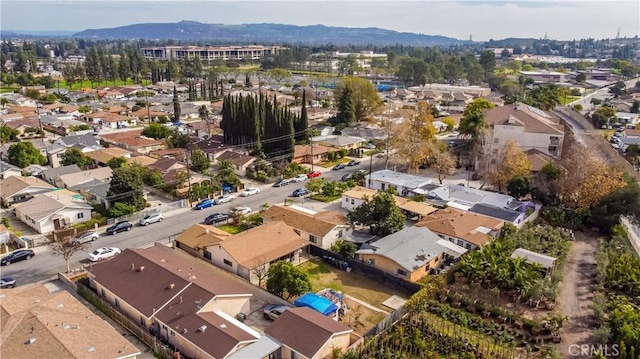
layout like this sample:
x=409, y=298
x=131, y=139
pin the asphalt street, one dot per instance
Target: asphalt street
x=44, y=265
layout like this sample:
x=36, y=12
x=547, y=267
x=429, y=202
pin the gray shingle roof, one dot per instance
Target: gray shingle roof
x=411, y=247
x=400, y=179
x=504, y=214
x=470, y=196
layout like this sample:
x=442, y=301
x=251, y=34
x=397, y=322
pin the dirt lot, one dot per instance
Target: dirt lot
x=356, y=285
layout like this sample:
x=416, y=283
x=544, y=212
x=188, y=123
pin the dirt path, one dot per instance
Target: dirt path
x=576, y=294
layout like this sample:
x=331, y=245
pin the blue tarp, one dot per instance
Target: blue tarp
x=317, y=303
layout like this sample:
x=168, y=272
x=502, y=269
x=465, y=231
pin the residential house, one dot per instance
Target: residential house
x=369, y=133
x=475, y=91
x=50, y=211
x=631, y=133
x=38, y=322
x=538, y=159
x=101, y=157
x=95, y=191
x=74, y=179
x=339, y=142
x=200, y=129
x=306, y=334
x=142, y=160
x=545, y=76
x=466, y=229
x=322, y=229
x=465, y=198
x=4, y=235
x=24, y=125
x=356, y=196
x=179, y=154
x=250, y=253
x=516, y=216
x=627, y=118
x=7, y=170
x=19, y=100
x=198, y=237
x=17, y=189
x=86, y=143
x=309, y=154
x=409, y=254
x=134, y=141
x=52, y=175
x=320, y=113
x=112, y=120
x=168, y=168
x=403, y=183
x=240, y=161
x=187, y=303
x=35, y=170
x=529, y=127
x=546, y=262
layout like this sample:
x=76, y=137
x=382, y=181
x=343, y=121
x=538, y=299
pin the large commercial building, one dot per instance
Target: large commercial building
x=251, y=52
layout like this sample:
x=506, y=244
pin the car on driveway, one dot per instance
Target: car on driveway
x=225, y=198
x=242, y=211
x=369, y=146
x=103, y=253
x=301, y=192
x=7, y=282
x=300, y=178
x=314, y=174
x=273, y=311
x=353, y=163
x=205, y=203
x=216, y=218
x=119, y=227
x=85, y=237
x=282, y=182
x=151, y=218
x=17, y=256
x=249, y=191
x=338, y=167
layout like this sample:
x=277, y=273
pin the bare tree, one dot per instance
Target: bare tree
x=61, y=243
x=261, y=269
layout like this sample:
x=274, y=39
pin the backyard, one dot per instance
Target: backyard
x=356, y=285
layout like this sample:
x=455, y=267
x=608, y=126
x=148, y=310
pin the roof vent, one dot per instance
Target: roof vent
x=203, y=328
x=133, y=267
x=206, y=231
x=30, y=341
x=140, y=269
x=66, y=326
x=91, y=350
x=223, y=326
x=170, y=286
x=184, y=331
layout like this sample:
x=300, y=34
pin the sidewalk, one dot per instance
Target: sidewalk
x=634, y=236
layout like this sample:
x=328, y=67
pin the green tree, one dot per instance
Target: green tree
x=314, y=185
x=117, y=162
x=120, y=209
x=279, y=75
x=283, y=277
x=380, y=213
x=365, y=96
x=488, y=62
x=635, y=107
x=8, y=134
x=156, y=131
x=518, y=186
x=346, y=108
x=345, y=248
x=226, y=173
x=23, y=154
x=176, y=139
x=74, y=156
x=176, y=106
x=127, y=187
x=199, y=161
x=581, y=77
x=61, y=244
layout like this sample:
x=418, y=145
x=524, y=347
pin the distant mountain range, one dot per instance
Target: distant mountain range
x=16, y=33
x=265, y=33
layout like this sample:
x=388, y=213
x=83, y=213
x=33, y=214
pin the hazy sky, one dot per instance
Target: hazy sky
x=484, y=20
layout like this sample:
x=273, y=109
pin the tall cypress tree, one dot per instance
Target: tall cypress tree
x=176, y=106
x=346, y=107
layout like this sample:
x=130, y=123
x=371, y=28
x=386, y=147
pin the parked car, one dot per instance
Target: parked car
x=243, y=211
x=103, y=253
x=282, y=182
x=205, y=203
x=216, y=218
x=300, y=178
x=338, y=167
x=250, y=191
x=17, y=256
x=85, y=237
x=119, y=227
x=370, y=146
x=353, y=163
x=151, y=218
x=363, y=171
x=346, y=177
x=301, y=192
x=273, y=311
x=314, y=174
x=225, y=198
x=7, y=282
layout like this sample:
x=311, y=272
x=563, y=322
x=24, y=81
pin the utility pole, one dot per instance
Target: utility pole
x=186, y=157
x=311, y=144
x=370, y=169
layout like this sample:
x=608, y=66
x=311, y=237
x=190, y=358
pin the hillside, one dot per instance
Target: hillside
x=265, y=33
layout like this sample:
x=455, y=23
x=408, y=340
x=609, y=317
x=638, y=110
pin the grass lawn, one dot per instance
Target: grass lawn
x=88, y=84
x=568, y=99
x=322, y=198
x=230, y=228
x=354, y=284
x=8, y=89
x=328, y=164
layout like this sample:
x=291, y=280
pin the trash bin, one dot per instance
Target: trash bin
x=241, y=317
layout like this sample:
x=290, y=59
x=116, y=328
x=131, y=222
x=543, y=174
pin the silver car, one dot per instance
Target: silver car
x=85, y=237
x=151, y=218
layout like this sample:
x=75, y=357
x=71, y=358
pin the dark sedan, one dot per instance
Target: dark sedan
x=17, y=256
x=216, y=218
x=119, y=227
